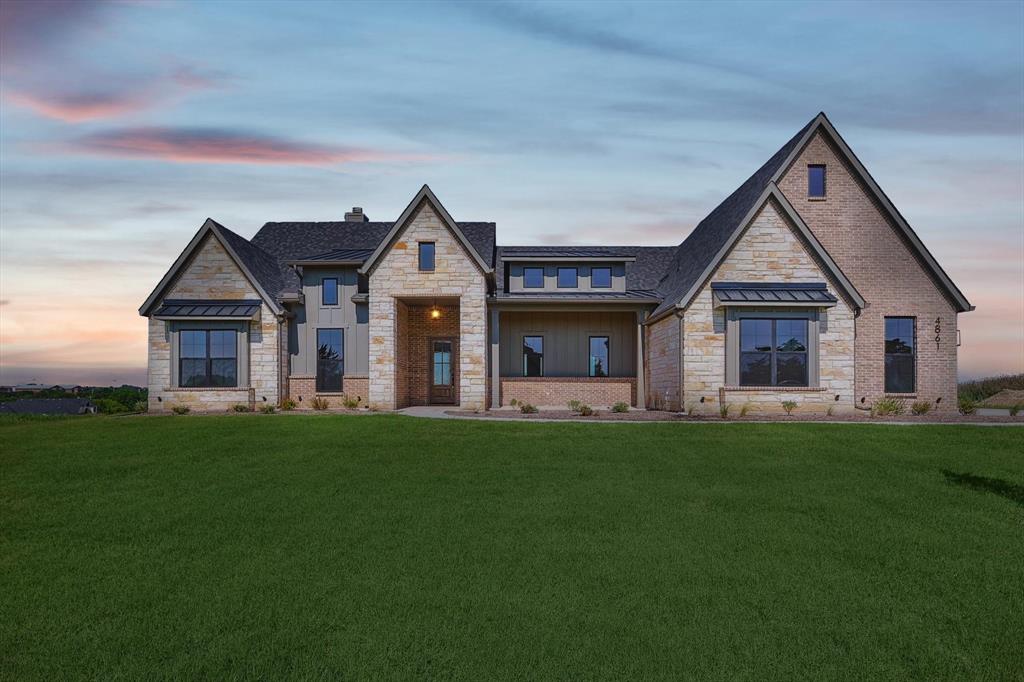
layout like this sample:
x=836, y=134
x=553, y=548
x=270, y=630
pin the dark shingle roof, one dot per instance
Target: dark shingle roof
x=642, y=274
x=264, y=267
x=711, y=234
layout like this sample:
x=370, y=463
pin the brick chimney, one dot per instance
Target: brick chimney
x=356, y=215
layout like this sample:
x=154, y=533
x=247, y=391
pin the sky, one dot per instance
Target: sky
x=125, y=124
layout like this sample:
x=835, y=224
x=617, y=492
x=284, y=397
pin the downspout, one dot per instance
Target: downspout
x=682, y=370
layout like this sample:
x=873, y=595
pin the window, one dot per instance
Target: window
x=207, y=358
x=533, y=356
x=330, y=360
x=329, y=286
x=899, y=354
x=533, y=278
x=601, y=278
x=568, y=278
x=427, y=256
x=773, y=352
x=816, y=181
x=598, y=356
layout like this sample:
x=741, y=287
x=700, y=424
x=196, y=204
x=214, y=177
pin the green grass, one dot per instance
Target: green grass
x=385, y=546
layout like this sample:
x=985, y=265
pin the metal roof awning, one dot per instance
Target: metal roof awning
x=777, y=294
x=335, y=257
x=228, y=309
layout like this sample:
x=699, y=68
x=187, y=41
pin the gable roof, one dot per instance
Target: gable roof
x=427, y=195
x=259, y=267
x=822, y=124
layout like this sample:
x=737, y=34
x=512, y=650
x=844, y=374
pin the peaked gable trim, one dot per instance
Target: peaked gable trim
x=210, y=227
x=821, y=122
x=772, y=191
x=425, y=194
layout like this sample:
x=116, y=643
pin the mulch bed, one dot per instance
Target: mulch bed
x=653, y=416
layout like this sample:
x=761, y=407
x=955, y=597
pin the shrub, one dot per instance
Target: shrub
x=920, y=407
x=586, y=410
x=140, y=406
x=723, y=410
x=319, y=403
x=288, y=404
x=1016, y=408
x=574, y=405
x=745, y=409
x=980, y=389
x=109, y=406
x=514, y=402
x=267, y=409
x=527, y=408
x=240, y=407
x=967, y=406
x=181, y=409
x=830, y=410
x=350, y=403
x=885, y=407
x=788, y=406
x=620, y=407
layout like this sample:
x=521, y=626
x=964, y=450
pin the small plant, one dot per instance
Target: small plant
x=319, y=403
x=831, y=409
x=620, y=407
x=789, y=406
x=288, y=404
x=886, y=407
x=350, y=403
x=140, y=406
x=239, y=407
x=267, y=409
x=745, y=409
x=514, y=402
x=527, y=408
x=181, y=409
x=585, y=410
x=920, y=407
x=574, y=405
x=967, y=406
x=1016, y=408
x=723, y=410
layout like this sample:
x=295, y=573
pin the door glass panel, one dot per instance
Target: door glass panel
x=442, y=363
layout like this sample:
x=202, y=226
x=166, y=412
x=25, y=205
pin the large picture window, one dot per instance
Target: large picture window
x=330, y=360
x=773, y=352
x=598, y=356
x=207, y=358
x=533, y=356
x=899, y=354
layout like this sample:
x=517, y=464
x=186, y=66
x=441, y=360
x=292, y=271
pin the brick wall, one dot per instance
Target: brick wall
x=662, y=364
x=558, y=391
x=868, y=248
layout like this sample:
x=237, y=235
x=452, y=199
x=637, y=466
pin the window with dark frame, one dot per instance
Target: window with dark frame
x=207, y=358
x=601, y=278
x=426, y=256
x=330, y=360
x=900, y=345
x=533, y=278
x=773, y=352
x=598, y=356
x=329, y=287
x=533, y=356
x=816, y=181
x=568, y=278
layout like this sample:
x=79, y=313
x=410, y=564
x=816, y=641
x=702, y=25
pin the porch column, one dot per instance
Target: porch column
x=641, y=390
x=495, y=360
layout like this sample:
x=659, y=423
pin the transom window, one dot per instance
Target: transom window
x=533, y=278
x=329, y=286
x=598, y=356
x=207, y=358
x=899, y=354
x=601, y=278
x=816, y=181
x=773, y=352
x=427, y=256
x=533, y=356
x=568, y=278
x=330, y=359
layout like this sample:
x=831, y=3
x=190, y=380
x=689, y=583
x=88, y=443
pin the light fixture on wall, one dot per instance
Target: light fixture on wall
x=435, y=312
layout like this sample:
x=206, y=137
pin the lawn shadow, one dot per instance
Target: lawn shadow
x=1011, y=491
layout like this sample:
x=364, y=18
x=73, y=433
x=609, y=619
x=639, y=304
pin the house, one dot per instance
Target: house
x=51, y=406
x=804, y=284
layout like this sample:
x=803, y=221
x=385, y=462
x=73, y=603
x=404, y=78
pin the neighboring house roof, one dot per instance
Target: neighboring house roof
x=47, y=406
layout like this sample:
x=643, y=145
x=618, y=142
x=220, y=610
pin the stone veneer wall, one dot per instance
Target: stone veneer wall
x=558, y=391
x=856, y=232
x=769, y=251
x=397, y=276
x=662, y=366
x=212, y=274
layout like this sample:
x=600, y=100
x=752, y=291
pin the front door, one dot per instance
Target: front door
x=442, y=373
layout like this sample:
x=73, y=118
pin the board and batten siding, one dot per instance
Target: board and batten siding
x=567, y=341
x=349, y=316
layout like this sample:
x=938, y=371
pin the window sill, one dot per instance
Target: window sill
x=817, y=198
x=190, y=389
x=777, y=389
x=900, y=395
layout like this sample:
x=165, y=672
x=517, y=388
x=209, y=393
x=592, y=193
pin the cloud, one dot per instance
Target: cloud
x=216, y=145
x=27, y=26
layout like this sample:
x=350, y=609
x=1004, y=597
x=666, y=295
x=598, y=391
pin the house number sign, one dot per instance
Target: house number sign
x=938, y=331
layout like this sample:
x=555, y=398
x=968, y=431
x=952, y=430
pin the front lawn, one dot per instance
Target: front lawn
x=384, y=546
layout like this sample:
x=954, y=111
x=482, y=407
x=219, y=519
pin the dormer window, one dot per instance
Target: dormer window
x=533, y=278
x=329, y=287
x=601, y=278
x=568, y=278
x=816, y=181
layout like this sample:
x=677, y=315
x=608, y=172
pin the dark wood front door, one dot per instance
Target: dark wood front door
x=442, y=371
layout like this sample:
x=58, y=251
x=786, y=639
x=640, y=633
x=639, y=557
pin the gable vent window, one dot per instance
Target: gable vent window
x=816, y=181
x=427, y=256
